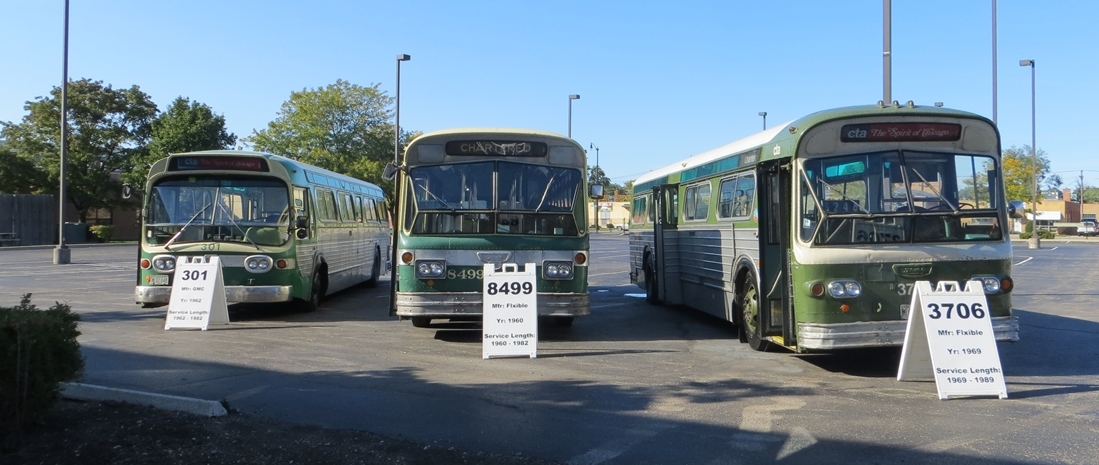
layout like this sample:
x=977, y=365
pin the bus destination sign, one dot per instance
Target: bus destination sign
x=900, y=132
x=217, y=163
x=497, y=148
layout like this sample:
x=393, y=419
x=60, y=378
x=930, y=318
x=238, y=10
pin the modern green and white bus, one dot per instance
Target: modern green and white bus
x=284, y=230
x=469, y=197
x=811, y=234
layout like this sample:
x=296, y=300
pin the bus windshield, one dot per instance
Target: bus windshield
x=226, y=209
x=493, y=197
x=899, y=196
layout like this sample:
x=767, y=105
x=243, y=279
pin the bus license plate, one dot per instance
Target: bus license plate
x=159, y=280
x=904, y=311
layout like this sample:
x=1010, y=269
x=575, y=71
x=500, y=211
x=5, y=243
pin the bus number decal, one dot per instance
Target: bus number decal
x=514, y=288
x=212, y=246
x=465, y=274
x=905, y=288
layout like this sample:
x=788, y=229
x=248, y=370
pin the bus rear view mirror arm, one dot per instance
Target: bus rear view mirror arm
x=390, y=171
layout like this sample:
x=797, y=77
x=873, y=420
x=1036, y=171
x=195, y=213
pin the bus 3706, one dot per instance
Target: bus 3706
x=470, y=197
x=811, y=234
x=283, y=230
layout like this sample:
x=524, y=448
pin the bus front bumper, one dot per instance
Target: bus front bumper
x=233, y=294
x=812, y=336
x=459, y=304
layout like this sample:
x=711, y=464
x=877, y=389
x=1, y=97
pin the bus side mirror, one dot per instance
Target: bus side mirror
x=1015, y=209
x=302, y=227
x=127, y=190
x=389, y=172
x=596, y=191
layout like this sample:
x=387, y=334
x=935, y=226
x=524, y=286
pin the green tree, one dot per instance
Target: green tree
x=187, y=126
x=1019, y=172
x=343, y=127
x=19, y=175
x=107, y=129
x=1091, y=194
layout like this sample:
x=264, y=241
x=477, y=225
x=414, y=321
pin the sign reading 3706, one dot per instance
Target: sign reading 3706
x=960, y=310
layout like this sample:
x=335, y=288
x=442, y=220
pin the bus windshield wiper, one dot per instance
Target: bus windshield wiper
x=933, y=190
x=545, y=194
x=178, y=233
x=444, y=202
x=229, y=215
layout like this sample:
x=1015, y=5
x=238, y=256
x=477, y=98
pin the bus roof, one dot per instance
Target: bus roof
x=487, y=130
x=295, y=168
x=802, y=124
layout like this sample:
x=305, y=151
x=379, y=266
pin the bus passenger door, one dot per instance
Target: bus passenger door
x=776, y=305
x=665, y=204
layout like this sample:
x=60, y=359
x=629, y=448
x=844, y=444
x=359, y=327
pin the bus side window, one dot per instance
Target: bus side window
x=326, y=205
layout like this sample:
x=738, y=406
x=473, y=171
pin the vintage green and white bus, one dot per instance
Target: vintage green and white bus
x=470, y=197
x=811, y=234
x=283, y=230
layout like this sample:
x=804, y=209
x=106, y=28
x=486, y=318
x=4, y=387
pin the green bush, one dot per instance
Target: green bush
x=1042, y=234
x=102, y=231
x=38, y=351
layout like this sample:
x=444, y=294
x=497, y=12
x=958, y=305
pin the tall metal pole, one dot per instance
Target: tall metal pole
x=61, y=255
x=396, y=189
x=887, y=52
x=994, y=98
x=764, y=115
x=595, y=201
x=1034, y=241
x=571, y=98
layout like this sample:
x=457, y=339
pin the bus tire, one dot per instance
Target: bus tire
x=316, y=292
x=749, y=316
x=376, y=270
x=650, y=281
x=421, y=321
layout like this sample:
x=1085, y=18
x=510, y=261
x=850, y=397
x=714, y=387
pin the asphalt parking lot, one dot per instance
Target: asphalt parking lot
x=632, y=383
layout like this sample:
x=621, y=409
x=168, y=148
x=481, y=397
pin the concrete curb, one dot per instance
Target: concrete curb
x=91, y=392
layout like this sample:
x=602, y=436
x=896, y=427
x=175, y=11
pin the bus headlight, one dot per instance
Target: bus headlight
x=844, y=289
x=164, y=263
x=990, y=284
x=430, y=269
x=257, y=263
x=556, y=270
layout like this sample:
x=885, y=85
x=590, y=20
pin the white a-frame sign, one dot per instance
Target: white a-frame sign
x=198, y=294
x=510, y=312
x=950, y=338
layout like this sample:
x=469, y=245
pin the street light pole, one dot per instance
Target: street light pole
x=61, y=255
x=396, y=188
x=1034, y=242
x=595, y=202
x=571, y=98
x=764, y=115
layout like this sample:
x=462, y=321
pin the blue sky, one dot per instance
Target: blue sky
x=658, y=81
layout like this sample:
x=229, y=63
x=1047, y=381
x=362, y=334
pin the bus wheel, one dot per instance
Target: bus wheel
x=316, y=291
x=377, y=270
x=421, y=321
x=650, y=282
x=749, y=320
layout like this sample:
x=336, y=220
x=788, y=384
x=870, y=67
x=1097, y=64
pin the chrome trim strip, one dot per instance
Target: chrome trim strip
x=814, y=336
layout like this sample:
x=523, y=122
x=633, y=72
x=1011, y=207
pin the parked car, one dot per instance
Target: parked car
x=1089, y=227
